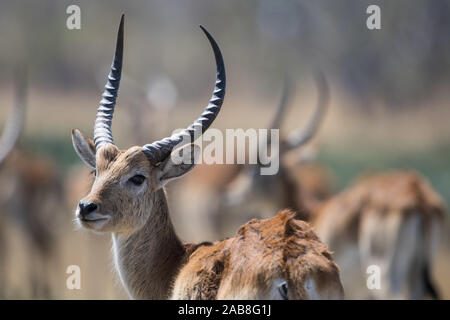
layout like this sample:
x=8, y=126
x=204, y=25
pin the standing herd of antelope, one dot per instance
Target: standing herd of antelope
x=286, y=236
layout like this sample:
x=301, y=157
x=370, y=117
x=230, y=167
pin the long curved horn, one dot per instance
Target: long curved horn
x=102, y=127
x=300, y=137
x=278, y=116
x=160, y=150
x=285, y=99
x=14, y=125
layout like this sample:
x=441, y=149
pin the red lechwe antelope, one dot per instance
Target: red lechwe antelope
x=279, y=257
x=390, y=220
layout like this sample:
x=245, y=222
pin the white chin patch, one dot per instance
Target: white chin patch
x=96, y=224
x=93, y=221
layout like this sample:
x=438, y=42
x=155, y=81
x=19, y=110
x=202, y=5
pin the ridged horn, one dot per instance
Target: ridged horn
x=103, y=120
x=14, y=124
x=160, y=150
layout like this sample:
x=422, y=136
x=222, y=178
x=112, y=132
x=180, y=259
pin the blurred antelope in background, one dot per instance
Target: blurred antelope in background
x=30, y=191
x=279, y=257
x=252, y=195
x=11, y=133
x=392, y=220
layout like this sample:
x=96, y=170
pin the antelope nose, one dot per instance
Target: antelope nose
x=86, y=208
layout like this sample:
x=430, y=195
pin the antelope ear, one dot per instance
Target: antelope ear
x=180, y=162
x=84, y=147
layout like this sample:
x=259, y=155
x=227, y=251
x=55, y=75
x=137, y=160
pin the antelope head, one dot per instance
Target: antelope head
x=251, y=194
x=298, y=137
x=126, y=181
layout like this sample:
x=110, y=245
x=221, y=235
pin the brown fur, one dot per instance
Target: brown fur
x=402, y=192
x=246, y=265
x=315, y=184
x=371, y=216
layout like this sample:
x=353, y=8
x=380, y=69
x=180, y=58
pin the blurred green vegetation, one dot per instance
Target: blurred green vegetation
x=347, y=164
x=55, y=147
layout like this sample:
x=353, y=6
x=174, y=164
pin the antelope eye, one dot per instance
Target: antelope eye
x=137, y=179
x=94, y=172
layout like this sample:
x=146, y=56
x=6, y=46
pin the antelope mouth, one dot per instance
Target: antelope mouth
x=93, y=221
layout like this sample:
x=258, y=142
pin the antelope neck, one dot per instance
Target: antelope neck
x=148, y=260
